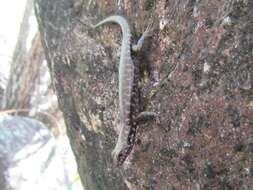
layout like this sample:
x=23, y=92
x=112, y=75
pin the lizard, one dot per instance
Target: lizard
x=128, y=122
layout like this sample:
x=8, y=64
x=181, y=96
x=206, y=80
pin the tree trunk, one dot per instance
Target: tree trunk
x=196, y=73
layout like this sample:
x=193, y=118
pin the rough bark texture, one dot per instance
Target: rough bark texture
x=203, y=135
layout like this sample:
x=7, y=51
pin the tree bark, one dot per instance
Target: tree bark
x=200, y=60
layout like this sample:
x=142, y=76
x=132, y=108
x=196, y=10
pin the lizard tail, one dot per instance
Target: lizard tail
x=114, y=18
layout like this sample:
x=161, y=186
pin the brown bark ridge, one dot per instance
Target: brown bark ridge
x=200, y=60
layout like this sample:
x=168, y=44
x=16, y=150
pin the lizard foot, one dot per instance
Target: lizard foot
x=149, y=30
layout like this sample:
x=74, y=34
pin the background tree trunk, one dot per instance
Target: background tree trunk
x=29, y=90
x=200, y=56
x=23, y=70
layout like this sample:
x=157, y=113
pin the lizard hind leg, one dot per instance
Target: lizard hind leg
x=145, y=116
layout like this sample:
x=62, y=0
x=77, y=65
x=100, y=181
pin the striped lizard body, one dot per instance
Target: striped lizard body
x=127, y=96
x=126, y=137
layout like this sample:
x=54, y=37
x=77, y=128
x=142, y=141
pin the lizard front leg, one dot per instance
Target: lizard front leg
x=147, y=33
